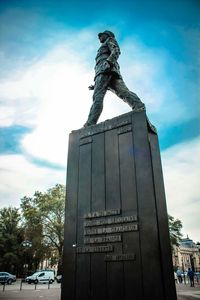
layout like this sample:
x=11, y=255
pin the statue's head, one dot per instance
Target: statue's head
x=108, y=33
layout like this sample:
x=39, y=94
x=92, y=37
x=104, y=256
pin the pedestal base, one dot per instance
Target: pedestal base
x=116, y=231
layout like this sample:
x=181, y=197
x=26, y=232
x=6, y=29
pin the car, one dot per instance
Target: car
x=41, y=276
x=59, y=278
x=6, y=277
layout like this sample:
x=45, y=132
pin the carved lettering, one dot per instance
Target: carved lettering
x=109, y=221
x=91, y=249
x=103, y=239
x=103, y=230
x=120, y=257
x=106, y=126
x=103, y=213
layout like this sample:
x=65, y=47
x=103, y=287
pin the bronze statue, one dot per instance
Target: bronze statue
x=108, y=77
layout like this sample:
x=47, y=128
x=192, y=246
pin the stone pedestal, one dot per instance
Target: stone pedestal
x=116, y=231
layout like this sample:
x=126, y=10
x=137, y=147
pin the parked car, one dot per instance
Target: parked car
x=6, y=277
x=41, y=276
x=59, y=278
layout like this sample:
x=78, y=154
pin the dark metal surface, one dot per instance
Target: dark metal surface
x=116, y=232
x=108, y=77
x=164, y=239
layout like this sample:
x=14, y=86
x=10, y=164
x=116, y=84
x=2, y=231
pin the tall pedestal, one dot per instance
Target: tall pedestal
x=116, y=231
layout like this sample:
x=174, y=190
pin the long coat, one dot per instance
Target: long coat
x=108, y=52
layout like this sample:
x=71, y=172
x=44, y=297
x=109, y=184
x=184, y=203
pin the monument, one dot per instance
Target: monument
x=108, y=77
x=116, y=227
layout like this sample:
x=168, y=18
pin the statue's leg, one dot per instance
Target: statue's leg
x=100, y=88
x=120, y=89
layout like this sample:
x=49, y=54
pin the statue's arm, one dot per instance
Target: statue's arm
x=114, y=51
x=91, y=87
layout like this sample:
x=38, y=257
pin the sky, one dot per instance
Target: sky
x=47, y=51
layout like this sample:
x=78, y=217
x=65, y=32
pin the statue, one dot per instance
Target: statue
x=108, y=77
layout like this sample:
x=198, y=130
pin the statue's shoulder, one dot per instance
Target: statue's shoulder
x=111, y=42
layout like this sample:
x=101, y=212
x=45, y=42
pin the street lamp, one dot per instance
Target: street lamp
x=27, y=245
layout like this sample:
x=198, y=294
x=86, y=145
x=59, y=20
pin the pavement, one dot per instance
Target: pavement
x=30, y=291
x=185, y=292
x=52, y=291
x=52, y=294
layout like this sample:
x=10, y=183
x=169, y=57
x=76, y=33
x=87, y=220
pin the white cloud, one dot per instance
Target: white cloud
x=51, y=96
x=181, y=168
x=64, y=103
x=157, y=79
x=19, y=177
x=6, y=116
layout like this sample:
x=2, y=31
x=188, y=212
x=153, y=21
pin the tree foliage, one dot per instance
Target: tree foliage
x=44, y=218
x=11, y=237
x=175, y=226
x=33, y=232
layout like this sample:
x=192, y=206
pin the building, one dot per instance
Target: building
x=187, y=255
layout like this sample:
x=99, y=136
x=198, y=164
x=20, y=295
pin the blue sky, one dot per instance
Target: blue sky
x=47, y=51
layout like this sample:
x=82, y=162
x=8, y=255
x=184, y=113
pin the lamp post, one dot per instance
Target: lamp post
x=27, y=245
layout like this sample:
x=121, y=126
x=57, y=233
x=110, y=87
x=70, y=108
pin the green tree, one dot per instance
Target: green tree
x=45, y=212
x=175, y=226
x=34, y=233
x=11, y=237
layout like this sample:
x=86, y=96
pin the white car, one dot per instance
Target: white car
x=41, y=276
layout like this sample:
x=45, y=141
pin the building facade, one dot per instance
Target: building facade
x=187, y=255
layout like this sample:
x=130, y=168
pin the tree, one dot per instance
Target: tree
x=52, y=206
x=45, y=211
x=33, y=232
x=175, y=226
x=11, y=237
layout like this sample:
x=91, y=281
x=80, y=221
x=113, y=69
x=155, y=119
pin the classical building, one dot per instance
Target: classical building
x=187, y=255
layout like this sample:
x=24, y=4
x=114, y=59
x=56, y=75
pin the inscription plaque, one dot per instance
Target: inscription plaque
x=103, y=239
x=104, y=127
x=122, y=228
x=109, y=221
x=88, y=249
x=103, y=213
x=120, y=257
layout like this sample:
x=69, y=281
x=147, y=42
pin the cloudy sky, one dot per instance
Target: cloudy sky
x=47, y=51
